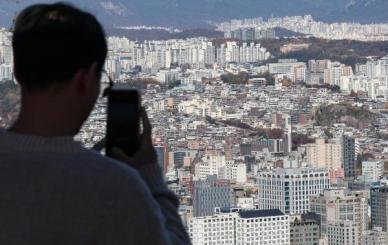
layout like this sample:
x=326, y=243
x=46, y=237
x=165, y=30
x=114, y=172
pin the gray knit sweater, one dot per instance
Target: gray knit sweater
x=54, y=191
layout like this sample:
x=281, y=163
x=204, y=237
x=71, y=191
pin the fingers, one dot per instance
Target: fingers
x=147, y=129
x=146, y=122
x=99, y=145
x=119, y=154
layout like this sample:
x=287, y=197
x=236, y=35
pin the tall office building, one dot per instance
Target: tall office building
x=379, y=207
x=336, y=205
x=162, y=156
x=343, y=233
x=349, y=156
x=237, y=227
x=287, y=127
x=290, y=189
x=179, y=155
x=209, y=194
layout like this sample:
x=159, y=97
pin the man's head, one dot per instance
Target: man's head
x=59, y=50
x=52, y=42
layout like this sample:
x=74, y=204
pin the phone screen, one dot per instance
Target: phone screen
x=123, y=124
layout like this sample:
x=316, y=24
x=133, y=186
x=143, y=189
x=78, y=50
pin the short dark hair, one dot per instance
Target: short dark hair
x=51, y=42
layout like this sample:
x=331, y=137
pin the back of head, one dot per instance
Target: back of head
x=51, y=42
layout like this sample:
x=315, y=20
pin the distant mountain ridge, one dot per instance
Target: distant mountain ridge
x=197, y=13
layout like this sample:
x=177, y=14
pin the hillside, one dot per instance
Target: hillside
x=198, y=13
x=356, y=117
x=344, y=51
x=141, y=35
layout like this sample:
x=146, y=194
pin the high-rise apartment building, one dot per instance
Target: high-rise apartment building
x=372, y=170
x=349, y=156
x=337, y=205
x=290, y=189
x=333, y=74
x=318, y=66
x=324, y=155
x=377, y=68
x=251, y=34
x=238, y=227
x=379, y=207
x=209, y=194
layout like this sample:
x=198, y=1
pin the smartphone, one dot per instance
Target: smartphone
x=123, y=122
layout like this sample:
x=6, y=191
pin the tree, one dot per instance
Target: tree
x=353, y=94
x=335, y=89
x=241, y=78
x=173, y=84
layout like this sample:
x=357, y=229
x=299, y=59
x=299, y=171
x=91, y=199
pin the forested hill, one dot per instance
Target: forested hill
x=192, y=14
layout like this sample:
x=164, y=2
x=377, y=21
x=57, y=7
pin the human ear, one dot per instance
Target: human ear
x=85, y=78
x=93, y=71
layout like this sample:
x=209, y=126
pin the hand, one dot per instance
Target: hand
x=146, y=153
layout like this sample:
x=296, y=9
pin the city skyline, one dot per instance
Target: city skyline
x=264, y=139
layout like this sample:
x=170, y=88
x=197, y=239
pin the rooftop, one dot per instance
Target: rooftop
x=260, y=213
x=293, y=171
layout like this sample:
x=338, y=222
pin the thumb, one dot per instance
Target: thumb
x=119, y=154
x=100, y=145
